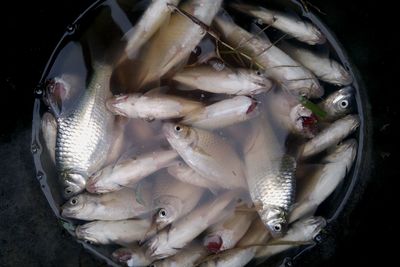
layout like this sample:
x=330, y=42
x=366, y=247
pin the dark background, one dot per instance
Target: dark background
x=29, y=232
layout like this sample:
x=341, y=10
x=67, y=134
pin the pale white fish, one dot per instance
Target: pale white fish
x=303, y=231
x=301, y=30
x=49, y=132
x=155, y=15
x=128, y=172
x=225, y=235
x=118, y=141
x=171, y=240
x=270, y=176
x=289, y=114
x=325, y=68
x=173, y=44
x=257, y=235
x=132, y=256
x=172, y=200
x=120, y=205
x=276, y=64
x=151, y=106
x=187, y=257
x=224, y=81
x=223, y=113
x=122, y=232
x=331, y=135
x=318, y=185
x=184, y=173
x=208, y=154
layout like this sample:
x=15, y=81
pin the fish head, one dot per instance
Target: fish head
x=90, y=233
x=213, y=243
x=345, y=150
x=169, y=208
x=307, y=229
x=98, y=182
x=122, y=255
x=341, y=102
x=123, y=105
x=178, y=135
x=74, y=206
x=257, y=78
x=73, y=182
x=275, y=220
x=304, y=121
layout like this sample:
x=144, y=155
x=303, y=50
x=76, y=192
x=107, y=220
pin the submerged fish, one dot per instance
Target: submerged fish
x=122, y=232
x=331, y=135
x=225, y=81
x=128, y=172
x=318, y=185
x=173, y=44
x=184, y=173
x=301, y=232
x=173, y=199
x=83, y=133
x=270, y=177
x=299, y=29
x=275, y=63
x=223, y=113
x=132, y=256
x=151, y=106
x=325, y=68
x=338, y=104
x=171, y=240
x=152, y=19
x=120, y=205
x=207, y=154
x=226, y=234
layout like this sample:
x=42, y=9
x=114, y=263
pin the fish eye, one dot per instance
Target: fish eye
x=277, y=227
x=178, y=128
x=74, y=201
x=67, y=191
x=344, y=104
x=162, y=213
x=258, y=72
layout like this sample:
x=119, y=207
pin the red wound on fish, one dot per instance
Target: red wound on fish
x=214, y=244
x=251, y=107
x=310, y=123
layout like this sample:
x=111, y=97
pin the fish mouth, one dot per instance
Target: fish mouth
x=112, y=105
x=67, y=213
x=82, y=234
x=122, y=255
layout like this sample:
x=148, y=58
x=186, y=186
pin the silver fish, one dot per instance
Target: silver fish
x=155, y=15
x=132, y=256
x=173, y=199
x=299, y=29
x=270, y=177
x=338, y=104
x=326, y=69
x=208, y=154
x=331, y=135
x=303, y=231
x=225, y=81
x=170, y=240
x=173, y=44
x=224, y=235
x=318, y=185
x=129, y=172
x=276, y=64
x=83, y=136
x=49, y=132
x=223, y=113
x=122, y=232
x=120, y=205
x=187, y=257
x=184, y=173
x=151, y=106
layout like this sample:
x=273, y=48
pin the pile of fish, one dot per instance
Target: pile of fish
x=214, y=161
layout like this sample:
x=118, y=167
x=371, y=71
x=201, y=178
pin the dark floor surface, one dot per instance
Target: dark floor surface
x=29, y=232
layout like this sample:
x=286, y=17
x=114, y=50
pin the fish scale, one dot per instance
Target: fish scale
x=82, y=137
